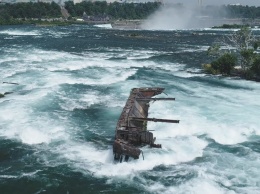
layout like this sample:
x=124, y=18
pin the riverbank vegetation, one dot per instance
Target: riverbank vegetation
x=113, y=10
x=23, y=13
x=239, y=56
x=231, y=11
x=27, y=13
x=45, y=14
x=230, y=26
x=30, y=10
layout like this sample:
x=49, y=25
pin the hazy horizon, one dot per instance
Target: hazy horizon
x=219, y=2
x=171, y=17
x=195, y=2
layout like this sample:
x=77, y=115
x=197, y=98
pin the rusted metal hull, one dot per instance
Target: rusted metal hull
x=131, y=129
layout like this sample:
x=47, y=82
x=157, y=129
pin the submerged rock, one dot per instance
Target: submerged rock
x=6, y=93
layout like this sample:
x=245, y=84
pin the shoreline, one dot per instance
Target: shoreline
x=115, y=24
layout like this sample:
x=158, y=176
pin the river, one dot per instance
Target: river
x=57, y=127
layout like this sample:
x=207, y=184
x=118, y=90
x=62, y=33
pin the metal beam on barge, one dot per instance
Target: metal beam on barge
x=154, y=120
x=154, y=99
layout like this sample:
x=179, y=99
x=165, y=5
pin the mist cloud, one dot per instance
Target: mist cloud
x=178, y=16
x=216, y=2
x=170, y=17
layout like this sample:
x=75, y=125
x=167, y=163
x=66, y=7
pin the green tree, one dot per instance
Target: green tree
x=69, y=5
x=244, y=42
x=214, y=51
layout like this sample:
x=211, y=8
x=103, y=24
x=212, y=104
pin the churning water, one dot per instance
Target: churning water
x=57, y=127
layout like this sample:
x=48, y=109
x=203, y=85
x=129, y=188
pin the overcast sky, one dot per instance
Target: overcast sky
x=219, y=2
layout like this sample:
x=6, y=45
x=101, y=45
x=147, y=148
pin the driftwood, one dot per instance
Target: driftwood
x=131, y=129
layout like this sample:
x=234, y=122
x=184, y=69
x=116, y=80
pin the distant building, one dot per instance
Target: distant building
x=45, y=1
x=100, y=17
x=22, y=1
x=237, y=4
x=7, y=1
x=123, y=1
x=77, y=1
x=133, y=1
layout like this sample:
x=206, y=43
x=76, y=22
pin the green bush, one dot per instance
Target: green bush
x=208, y=68
x=224, y=64
x=256, y=66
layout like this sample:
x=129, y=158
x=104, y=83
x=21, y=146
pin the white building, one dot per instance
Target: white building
x=122, y=1
x=133, y=1
x=77, y=1
x=237, y=4
x=45, y=1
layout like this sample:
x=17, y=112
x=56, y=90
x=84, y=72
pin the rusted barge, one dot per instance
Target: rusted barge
x=131, y=130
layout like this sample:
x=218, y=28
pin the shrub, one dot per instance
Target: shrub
x=247, y=58
x=256, y=66
x=224, y=64
x=208, y=68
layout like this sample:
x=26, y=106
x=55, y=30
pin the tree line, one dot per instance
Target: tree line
x=142, y=10
x=232, y=11
x=243, y=11
x=9, y=13
x=30, y=10
x=114, y=10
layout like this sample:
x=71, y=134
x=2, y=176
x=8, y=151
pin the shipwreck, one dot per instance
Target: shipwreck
x=131, y=130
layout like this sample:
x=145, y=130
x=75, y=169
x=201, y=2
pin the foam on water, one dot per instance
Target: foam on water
x=82, y=101
x=220, y=29
x=39, y=60
x=20, y=33
x=20, y=121
x=198, y=49
x=100, y=162
x=8, y=176
x=108, y=26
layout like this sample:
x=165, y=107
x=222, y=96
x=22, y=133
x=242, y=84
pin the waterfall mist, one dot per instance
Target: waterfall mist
x=178, y=16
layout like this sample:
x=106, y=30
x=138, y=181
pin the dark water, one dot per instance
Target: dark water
x=57, y=128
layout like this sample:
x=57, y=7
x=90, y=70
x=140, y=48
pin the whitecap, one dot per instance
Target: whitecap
x=108, y=26
x=20, y=33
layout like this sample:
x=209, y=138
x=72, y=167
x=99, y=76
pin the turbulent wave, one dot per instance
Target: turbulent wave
x=19, y=33
x=109, y=26
x=57, y=126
